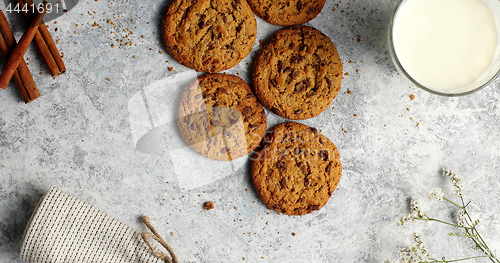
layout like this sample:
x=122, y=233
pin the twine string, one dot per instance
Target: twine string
x=169, y=259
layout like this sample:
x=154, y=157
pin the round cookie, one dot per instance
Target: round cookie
x=220, y=118
x=209, y=35
x=296, y=169
x=297, y=73
x=287, y=13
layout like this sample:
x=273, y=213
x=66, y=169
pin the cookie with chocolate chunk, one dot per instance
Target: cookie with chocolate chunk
x=297, y=73
x=220, y=118
x=287, y=13
x=296, y=169
x=209, y=35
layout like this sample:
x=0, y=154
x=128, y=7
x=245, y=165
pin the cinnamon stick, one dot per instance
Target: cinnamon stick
x=45, y=44
x=22, y=76
x=20, y=49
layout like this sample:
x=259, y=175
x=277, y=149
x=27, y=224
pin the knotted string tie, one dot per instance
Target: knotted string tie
x=169, y=259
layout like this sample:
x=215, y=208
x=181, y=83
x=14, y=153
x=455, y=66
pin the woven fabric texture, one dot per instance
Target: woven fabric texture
x=65, y=229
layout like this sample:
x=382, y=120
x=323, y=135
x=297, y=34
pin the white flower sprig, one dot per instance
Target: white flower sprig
x=437, y=193
x=457, y=182
x=418, y=253
x=414, y=253
x=415, y=213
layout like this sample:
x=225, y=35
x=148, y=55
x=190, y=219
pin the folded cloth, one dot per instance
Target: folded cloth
x=65, y=229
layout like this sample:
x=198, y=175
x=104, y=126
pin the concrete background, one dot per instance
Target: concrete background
x=78, y=137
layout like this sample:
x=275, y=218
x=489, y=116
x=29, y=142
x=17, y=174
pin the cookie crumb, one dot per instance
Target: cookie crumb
x=209, y=205
x=412, y=97
x=293, y=233
x=170, y=69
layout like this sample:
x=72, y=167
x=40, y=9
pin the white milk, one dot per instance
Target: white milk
x=444, y=44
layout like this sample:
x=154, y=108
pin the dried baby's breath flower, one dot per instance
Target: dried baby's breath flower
x=419, y=252
x=408, y=218
x=422, y=248
x=415, y=213
x=414, y=253
x=437, y=193
x=461, y=218
x=415, y=209
x=457, y=181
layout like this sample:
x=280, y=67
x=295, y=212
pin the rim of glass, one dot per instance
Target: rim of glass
x=400, y=67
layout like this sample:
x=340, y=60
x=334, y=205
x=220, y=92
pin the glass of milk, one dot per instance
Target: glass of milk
x=447, y=47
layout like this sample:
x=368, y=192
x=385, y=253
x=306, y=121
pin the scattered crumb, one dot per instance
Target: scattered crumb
x=170, y=69
x=293, y=233
x=412, y=97
x=209, y=205
x=346, y=74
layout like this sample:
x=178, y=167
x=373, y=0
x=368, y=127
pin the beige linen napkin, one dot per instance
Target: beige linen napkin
x=65, y=229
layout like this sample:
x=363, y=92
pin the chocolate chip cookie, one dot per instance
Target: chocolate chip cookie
x=287, y=13
x=220, y=118
x=209, y=35
x=297, y=73
x=296, y=169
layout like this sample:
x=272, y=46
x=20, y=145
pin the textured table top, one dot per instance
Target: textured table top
x=84, y=135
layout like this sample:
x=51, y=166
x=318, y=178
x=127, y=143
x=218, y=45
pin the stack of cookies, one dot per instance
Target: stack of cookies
x=296, y=75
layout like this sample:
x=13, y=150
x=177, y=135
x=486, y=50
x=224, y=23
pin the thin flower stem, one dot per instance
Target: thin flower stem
x=464, y=221
x=475, y=236
x=451, y=202
x=442, y=222
x=454, y=260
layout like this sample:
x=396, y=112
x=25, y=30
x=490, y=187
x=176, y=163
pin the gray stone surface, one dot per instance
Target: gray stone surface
x=78, y=136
